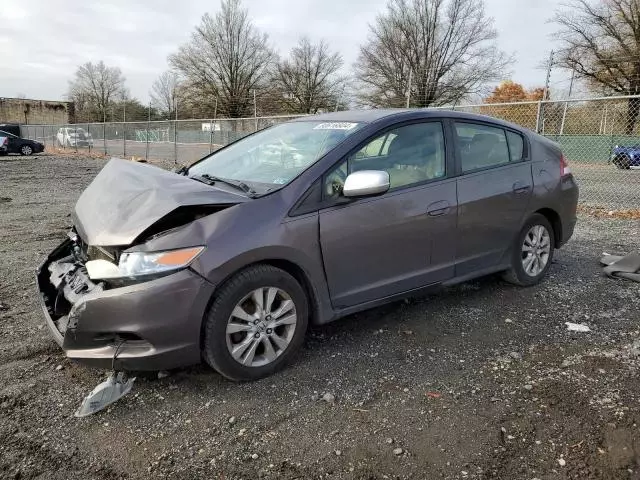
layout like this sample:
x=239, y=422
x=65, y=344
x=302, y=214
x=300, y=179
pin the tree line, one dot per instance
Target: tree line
x=418, y=53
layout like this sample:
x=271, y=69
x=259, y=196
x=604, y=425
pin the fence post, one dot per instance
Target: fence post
x=124, y=139
x=538, y=117
x=255, y=110
x=44, y=138
x=215, y=114
x=104, y=136
x=89, y=133
x=75, y=131
x=175, y=142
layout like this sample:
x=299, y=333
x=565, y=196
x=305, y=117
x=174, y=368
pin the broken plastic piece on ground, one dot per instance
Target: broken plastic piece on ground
x=627, y=267
x=577, y=327
x=112, y=389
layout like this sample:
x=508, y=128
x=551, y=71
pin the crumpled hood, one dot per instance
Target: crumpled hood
x=126, y=198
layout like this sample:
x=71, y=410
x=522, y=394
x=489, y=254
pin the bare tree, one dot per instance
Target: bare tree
x=94, y=88
x=435, y=51
x=164, y=93
x=309, y=79
x=602, y=45
x=226, y=59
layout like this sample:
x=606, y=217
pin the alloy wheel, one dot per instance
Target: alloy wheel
x=261, y=326
x=536, y=249
x=26, y=150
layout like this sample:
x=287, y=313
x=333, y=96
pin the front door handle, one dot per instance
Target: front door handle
x=520, y=187
x=438, y=208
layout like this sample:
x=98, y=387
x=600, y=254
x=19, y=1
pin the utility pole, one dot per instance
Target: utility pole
x=104, y=130
x=545, y=94
x=339, y=98
x=566, y=104
x=546, y=83
x=409, y=89
x=146, y=156
x=124, y=125
x=175, y=129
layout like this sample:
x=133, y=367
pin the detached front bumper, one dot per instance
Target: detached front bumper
x=153, y=325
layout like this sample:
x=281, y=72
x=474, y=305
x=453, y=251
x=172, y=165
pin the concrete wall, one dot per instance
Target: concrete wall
x=22, y=110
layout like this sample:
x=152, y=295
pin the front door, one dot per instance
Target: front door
x=494, y=191
x=380, y=246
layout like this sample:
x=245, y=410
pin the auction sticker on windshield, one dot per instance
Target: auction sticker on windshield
x=336, y=126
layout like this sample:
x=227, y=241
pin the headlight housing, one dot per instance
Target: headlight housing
x=143, y=264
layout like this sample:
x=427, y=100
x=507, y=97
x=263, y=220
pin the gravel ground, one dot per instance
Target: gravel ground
x=479, y=381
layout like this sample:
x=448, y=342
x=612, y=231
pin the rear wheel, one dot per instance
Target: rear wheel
x=256, y=324
x=532, y=252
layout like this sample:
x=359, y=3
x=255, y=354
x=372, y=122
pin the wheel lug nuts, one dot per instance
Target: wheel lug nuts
x=269, y=331
x=255, y=322
x=256, y=335
x=268, y=318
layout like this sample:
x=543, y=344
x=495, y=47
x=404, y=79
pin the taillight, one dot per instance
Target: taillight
x=564, y=167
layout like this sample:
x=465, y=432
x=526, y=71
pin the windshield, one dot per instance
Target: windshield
x=276, y=155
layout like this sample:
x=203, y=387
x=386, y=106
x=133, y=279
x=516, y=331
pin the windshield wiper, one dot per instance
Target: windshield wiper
x=211, y=180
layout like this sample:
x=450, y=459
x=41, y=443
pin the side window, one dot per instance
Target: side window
x=481, y=146
x=516, y=146
x=410, y=154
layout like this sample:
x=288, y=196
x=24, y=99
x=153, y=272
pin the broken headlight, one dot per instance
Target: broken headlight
x=141, y=264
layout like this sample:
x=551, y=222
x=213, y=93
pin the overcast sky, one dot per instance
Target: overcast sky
x=43, y=41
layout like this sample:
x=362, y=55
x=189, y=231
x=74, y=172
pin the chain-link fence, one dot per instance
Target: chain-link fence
x=599, y=137
x=181, y=141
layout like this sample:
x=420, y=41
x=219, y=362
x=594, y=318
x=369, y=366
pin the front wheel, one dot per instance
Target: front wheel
x=26, y=150
x=256, y=323
x=532, y=252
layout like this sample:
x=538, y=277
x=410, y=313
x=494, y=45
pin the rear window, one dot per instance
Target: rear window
x=516, y=146
x=11, y=129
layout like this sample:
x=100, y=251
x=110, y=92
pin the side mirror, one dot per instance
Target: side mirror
x=366, y=182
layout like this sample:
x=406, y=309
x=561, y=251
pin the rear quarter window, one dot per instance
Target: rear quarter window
x=516, y=146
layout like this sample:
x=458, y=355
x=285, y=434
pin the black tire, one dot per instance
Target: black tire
x=26, y=150
x=517, y=274
x=215, y=350
x=622, y=162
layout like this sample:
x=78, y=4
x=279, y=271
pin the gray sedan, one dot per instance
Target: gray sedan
x=308, y=221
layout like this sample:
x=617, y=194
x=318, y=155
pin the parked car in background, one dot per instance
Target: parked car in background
x=626, y=157
x=303, y=222
x=16, y=143
x=74, y=137
x=3, y=145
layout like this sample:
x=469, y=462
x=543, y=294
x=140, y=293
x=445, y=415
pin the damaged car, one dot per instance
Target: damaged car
x=229, y=260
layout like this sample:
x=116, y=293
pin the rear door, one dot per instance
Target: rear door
x=494, y=190
x=379, y=246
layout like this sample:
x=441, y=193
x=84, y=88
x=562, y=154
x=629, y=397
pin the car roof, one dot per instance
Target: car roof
x=372, y=115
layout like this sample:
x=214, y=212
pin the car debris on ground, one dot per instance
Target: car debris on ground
x=619, y=266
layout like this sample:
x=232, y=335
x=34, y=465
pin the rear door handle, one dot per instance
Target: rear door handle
x=438, y=208
x=520, y=187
